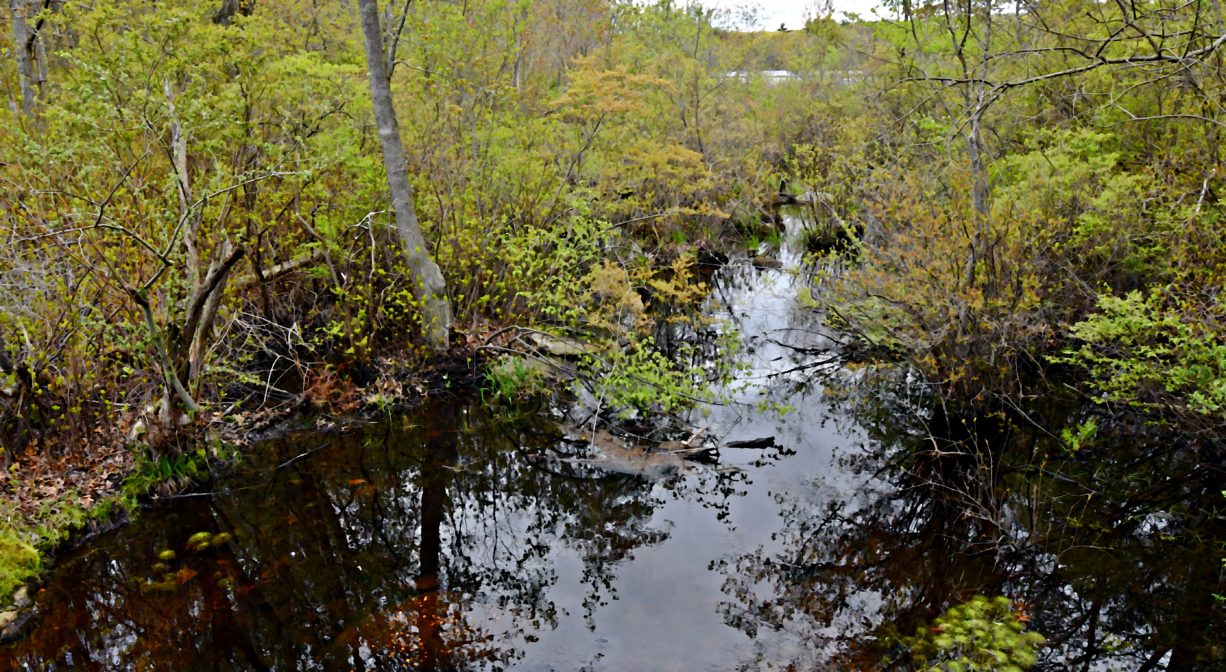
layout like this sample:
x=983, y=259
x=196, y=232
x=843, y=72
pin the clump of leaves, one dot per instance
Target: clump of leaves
x=1079, y=436
x=639, y=380
x=1142, y=351
x=166, y=473
x=982, y=635
x=204, y=540
x=513, y=377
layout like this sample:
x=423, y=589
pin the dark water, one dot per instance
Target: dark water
x=441, y=540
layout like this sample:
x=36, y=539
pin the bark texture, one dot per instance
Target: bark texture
x=21, y=46
x=429, y=286
x=231, y=7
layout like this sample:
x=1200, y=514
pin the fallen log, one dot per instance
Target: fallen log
x=759, y=443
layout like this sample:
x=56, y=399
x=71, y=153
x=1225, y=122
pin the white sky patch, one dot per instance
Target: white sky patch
x=770, y=14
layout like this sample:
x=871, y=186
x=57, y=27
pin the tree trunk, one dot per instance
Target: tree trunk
x=231, y=7
x=980, y=252
x=979, y=200
x=181, y=347
x=25, y=65
x=428, y=284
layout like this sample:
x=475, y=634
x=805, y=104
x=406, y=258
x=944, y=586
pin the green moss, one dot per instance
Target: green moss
x=18, y=563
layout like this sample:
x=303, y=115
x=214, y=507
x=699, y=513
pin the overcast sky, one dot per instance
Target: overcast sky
x=792, y=13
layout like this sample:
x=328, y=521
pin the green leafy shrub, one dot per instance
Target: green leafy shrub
x=1145, y=350
x=982, y=635
x=167, y=472
x=513, y=377
x=638, y=379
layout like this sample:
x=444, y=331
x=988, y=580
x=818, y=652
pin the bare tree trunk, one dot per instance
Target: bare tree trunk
x=979, y=199
x=428, y=283
x=231, y=7
x=181, y=348
x=38, y=46
x=25, y=65
x=980, y=252
x=178, y=162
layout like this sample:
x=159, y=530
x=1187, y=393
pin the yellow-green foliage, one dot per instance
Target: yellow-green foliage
x=637, y=380
x=1015, y=207
x=536, y=145
x=1157, y=352
x=911, y=293
x=95, y=206
x=629, y=374
x=513, y=378
x=1066, y=220
x=982, y=635
x=18, y=563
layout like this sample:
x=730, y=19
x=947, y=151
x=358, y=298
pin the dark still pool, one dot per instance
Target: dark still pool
x=828, y=536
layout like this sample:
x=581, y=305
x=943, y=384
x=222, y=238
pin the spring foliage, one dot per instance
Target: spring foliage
x=1022, y=199
x=982, y=635
x=162, y=141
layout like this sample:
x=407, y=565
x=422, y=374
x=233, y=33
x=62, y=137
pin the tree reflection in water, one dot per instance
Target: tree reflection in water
x=1113, y=554
x=427, y=547
x=445, y=546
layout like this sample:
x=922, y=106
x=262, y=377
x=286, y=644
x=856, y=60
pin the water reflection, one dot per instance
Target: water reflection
x=427, y=547
x=441, y=542
x=1113, y=554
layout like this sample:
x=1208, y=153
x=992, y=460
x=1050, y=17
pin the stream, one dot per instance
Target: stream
x=437, y=540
